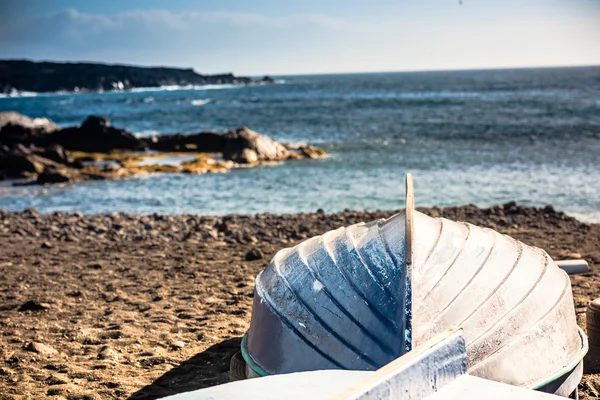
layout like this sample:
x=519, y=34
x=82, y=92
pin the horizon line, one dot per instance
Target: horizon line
x=459, y=69
x=450, y=69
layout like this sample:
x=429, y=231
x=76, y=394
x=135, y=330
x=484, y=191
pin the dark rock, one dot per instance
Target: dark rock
x=205, y=142
x=309, y=151
x=56, y=380
x=58, y=154
x=96, y=135
x=267, y=79
x=55, y=175
x=20, y=162
x=254, y=254
x=549, y=209
x=95, y=123
x=13, y=360
x=246, y=146
x=33, y=305
x=12, y=134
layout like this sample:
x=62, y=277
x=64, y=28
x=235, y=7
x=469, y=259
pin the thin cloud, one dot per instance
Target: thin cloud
x=72, y=21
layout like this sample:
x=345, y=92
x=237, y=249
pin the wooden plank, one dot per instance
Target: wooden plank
x=416, y=375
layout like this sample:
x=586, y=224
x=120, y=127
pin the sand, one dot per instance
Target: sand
x=128, y=306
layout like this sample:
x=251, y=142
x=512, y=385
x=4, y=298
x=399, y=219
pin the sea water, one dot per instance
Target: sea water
x=480, y=137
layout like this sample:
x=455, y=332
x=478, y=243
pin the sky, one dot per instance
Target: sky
x=279, y=37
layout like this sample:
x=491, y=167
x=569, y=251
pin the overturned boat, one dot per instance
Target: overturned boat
x=361, y=296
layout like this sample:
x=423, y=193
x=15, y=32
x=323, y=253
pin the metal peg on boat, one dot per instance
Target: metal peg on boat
x=360, y=296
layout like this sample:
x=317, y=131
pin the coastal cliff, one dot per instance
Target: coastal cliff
x=23, y=75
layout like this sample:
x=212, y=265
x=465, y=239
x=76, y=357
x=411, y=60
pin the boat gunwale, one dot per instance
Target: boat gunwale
x=569, y=367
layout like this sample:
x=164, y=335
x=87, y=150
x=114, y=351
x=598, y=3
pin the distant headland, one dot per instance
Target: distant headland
x=30, y=76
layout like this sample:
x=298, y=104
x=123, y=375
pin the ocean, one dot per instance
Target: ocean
x=478, y=137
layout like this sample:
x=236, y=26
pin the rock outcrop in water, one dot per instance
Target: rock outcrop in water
x=23, y=75
x=246, y=146
x=44, y=153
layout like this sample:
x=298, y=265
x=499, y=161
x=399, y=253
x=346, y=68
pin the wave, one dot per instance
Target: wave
x=200, y=102
x=591, y=217
x=170, y=88
x=18, y=94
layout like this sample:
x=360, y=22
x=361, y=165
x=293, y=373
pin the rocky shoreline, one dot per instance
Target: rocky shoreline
x=40, y=152
x=143, y=306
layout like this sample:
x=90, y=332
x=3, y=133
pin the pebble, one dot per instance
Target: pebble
x=47, y=245
x=41, y=348
x=107, y=353
x=254, y=254
x=55, y=380
x=178, y=344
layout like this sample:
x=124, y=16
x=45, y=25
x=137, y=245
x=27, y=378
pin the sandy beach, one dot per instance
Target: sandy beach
x=129, y=306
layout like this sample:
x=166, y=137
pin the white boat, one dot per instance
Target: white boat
x=359, y=297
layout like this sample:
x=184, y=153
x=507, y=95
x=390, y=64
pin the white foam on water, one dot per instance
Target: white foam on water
x=170, y=88
x=146, y=133
x=592, y=217
x=18, y=94
x=200, y=102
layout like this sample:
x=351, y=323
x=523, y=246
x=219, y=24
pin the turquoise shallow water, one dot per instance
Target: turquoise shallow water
x=482, y=137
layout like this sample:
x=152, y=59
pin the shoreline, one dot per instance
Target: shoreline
x=10, y=185
x=157, y=304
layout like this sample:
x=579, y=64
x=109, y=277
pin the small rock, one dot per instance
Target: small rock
x=47, y=245
x=309, y=151
x=32, y=212
x=549, y=209
x=55, y=391
x=54, y=175
x=144, y=307
x=178, y=344
x=252, y=239
x=254, y=254
x=55, y=380
x=41, y=348
x=106, y=353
